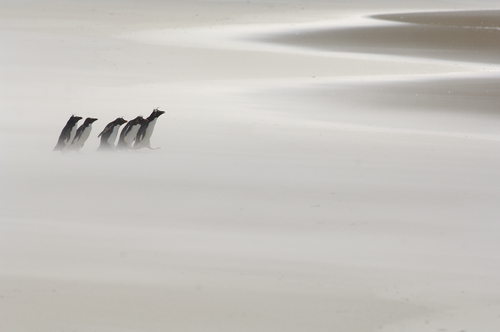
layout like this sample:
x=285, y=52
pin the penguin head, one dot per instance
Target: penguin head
x=120, y=121
x=157, y=112
x=90, y=120
x=75, y=118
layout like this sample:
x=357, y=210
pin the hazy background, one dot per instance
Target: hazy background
x=307, y=179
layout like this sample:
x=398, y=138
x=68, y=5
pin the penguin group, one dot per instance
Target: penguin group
x=136, y=134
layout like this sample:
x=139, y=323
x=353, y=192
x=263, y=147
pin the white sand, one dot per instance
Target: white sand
x=295, y=189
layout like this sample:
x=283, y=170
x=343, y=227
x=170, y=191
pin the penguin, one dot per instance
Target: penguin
x=108, y=135
x=68, y=133
x=143, y=137
x=82, y=133
x=129, y=132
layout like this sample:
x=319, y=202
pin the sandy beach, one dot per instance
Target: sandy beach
x=454, y=36
x=321, y=167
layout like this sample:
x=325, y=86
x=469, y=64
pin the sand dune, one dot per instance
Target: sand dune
x=457, y=36
x=310, y=177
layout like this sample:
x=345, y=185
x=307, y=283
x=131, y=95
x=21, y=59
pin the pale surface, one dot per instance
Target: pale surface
x=302, y=184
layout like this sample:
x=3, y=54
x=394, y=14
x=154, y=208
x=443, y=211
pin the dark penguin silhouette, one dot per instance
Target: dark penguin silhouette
x=142, y=140
x=129, y=132
x=82, y=133
x=68, y=133
x=108, y=135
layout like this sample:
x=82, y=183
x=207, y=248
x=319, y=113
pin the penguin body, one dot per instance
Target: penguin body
x=129, y=133
x=82, y=134
x=108, y=135
x=68, y=133
x=143, y=137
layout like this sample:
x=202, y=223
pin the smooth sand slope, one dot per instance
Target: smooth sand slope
x=314, y=174
x=457, y=36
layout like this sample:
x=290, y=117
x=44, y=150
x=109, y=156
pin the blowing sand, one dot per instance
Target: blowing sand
x=322, y=167
x=455, y=36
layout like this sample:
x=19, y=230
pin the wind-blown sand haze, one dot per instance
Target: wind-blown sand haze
x=322, y=167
